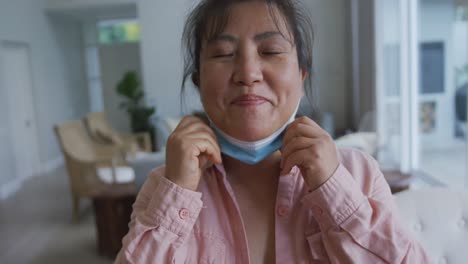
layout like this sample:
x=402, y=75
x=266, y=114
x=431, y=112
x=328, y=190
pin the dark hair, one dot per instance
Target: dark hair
x=210, y=17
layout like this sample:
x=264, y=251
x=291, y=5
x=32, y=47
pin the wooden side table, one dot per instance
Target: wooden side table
x=112, y=214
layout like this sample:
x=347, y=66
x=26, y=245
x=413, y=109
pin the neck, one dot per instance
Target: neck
x=263, y=173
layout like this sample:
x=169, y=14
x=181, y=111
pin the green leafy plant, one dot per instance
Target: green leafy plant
x=130, y=88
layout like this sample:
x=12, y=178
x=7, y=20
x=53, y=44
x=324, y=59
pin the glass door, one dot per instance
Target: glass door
x=443, y=43
x=421, y=86
x=391, y=44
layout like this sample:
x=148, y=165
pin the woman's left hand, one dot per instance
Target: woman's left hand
x=310, y=148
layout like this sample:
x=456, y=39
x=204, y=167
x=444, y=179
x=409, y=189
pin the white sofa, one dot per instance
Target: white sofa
x=143, y=162
x=438, y=218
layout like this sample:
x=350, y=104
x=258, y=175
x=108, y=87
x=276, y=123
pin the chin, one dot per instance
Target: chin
x=250, y=126
x=251, y=132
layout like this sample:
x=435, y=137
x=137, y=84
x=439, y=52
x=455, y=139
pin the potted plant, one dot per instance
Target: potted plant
x=130, y=88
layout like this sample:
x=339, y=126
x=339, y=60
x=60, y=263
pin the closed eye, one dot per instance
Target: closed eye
x=223, y=55
x=271, y=52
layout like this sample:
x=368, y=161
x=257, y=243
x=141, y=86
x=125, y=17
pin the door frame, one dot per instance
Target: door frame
x=35, y=140
x=409, y=83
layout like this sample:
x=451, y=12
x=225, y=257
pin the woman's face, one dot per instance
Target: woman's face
x=250, y=81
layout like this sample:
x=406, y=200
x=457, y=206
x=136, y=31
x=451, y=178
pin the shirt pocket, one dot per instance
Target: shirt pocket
x=317, y=249
x=205, y=248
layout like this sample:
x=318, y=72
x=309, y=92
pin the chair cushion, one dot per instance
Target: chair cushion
x=108, y=137
x=123, y=174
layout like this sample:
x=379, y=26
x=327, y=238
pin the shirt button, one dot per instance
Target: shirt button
x=282, y=210
x=184, y=213
x=317, y=210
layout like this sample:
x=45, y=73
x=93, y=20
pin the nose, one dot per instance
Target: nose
x=247, y=70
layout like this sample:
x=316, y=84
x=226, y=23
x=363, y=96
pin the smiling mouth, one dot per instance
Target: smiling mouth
x=249, y=100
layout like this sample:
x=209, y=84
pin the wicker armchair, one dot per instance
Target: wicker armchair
x=93, y=169
x=101, y=131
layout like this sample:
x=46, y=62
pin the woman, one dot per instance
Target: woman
x=255, y=185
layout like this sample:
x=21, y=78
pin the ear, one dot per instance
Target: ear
x=196, y=78
x=304, y=74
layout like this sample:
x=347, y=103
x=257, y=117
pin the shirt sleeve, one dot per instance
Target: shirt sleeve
x=359, y=220
x=163, y=217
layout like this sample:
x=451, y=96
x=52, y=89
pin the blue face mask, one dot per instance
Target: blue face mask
x=251, y=152
x=247, y=155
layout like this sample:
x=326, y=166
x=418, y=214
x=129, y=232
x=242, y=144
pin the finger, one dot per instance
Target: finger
x=187, y=121
x=204, y=131
x=197, y=127
x=296, y=144
x=196, y=137
x=301, y=130
x=187, y=141
x=298, y=158
x=306, y=120
x=193, y=123
x=204, y=162
x=192, y=127
x=204, y=146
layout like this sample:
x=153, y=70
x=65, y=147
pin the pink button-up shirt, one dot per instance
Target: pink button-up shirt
x=352, y=218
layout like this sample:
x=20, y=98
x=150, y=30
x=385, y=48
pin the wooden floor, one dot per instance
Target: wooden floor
x=36, y=225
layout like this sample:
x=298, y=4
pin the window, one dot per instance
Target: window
x=432, y=67
x=118, y=31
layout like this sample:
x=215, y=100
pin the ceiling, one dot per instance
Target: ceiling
x=94, y=11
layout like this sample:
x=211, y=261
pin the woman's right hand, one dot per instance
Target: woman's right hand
x=191, y=148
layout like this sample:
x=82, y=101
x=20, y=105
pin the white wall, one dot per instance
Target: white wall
x=361, y=43
x=115, y=60
x=57, y=68
x=84, y=3
x=331, y=58
x=92, y=9
x=161, y=30
x=162, y=24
